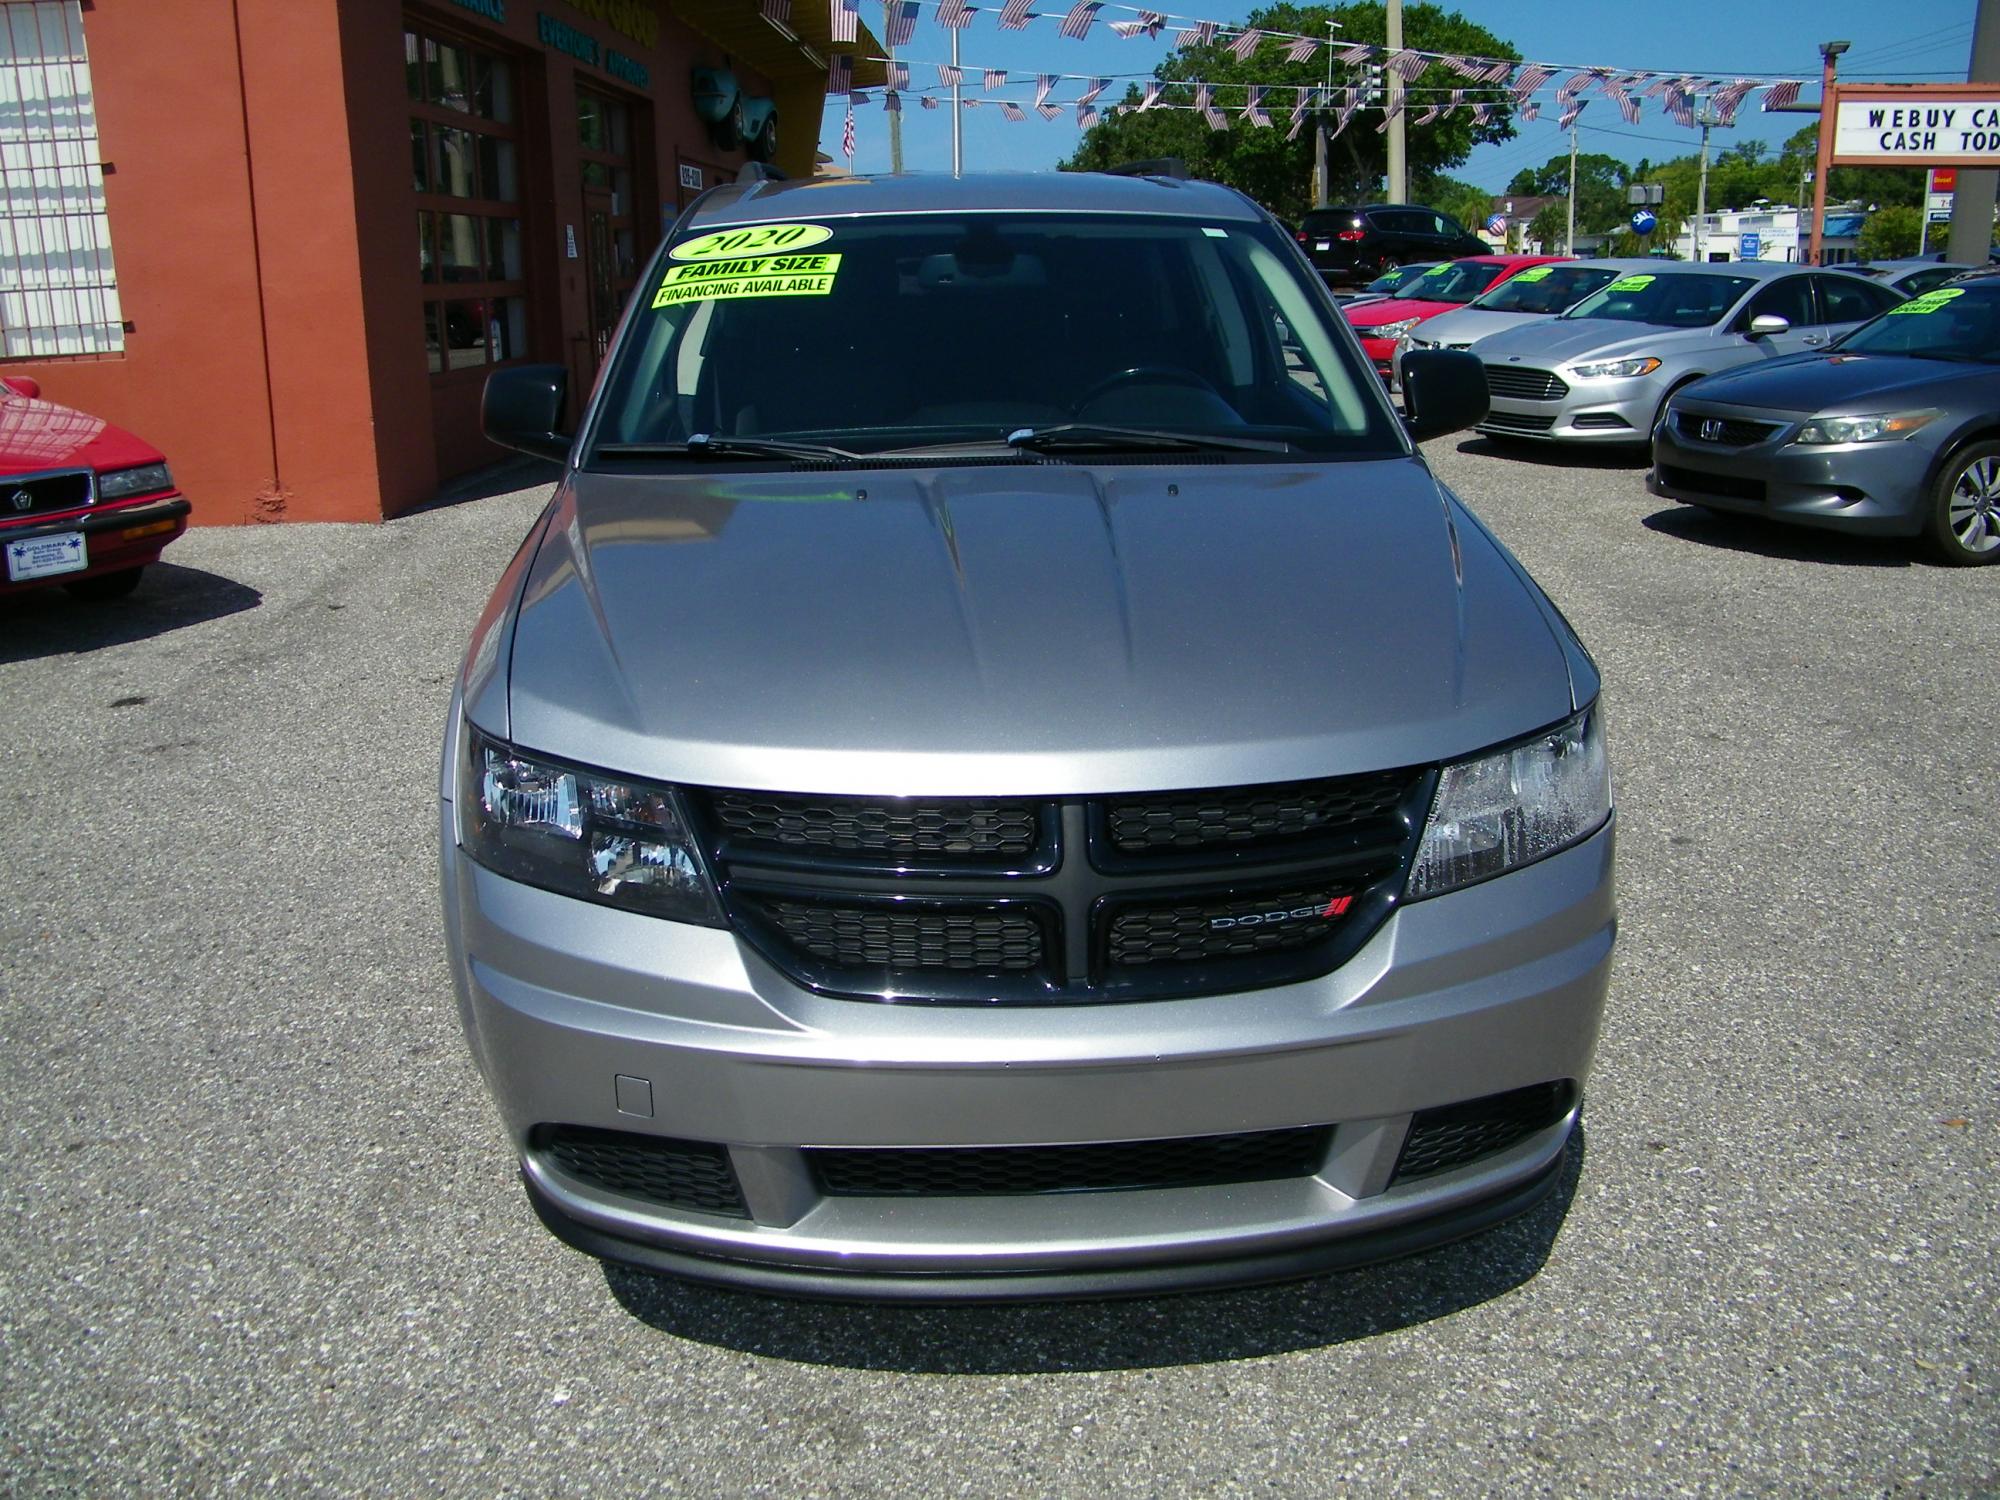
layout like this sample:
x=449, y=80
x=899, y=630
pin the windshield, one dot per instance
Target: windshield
x=888, y=333
x=1454, y=281
x=1953, y=322
x=1390, y=281
x=1668, y=299
x=1545, y=289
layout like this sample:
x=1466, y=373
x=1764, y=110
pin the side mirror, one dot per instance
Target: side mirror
x=1444, y=390
x=24, y=385
x=1764, y=325
x=522, y=408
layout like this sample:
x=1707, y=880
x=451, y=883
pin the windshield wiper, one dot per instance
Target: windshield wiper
x=1077, y=436
x=702, y=445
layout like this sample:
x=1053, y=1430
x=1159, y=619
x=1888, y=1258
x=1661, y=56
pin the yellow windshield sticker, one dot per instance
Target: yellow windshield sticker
x=753, y=276
x=752, y=239
x=1630, y=284
x=1930, y=302
x=1534, y=273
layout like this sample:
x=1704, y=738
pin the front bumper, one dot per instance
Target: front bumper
x=1381, y=353
x=123, y=535
x=1490, y=989
x=1871, y=489
x=1596, y=411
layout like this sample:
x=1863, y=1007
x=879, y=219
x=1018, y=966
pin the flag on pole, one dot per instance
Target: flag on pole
x=846, y=18
x=1015, y=15
x=1245, y=44
x=847, y=138
x=1780, y=95
x=1302, y=49
x=1076, y=25
x=902, y=23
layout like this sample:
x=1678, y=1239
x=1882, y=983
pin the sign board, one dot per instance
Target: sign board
x=1645, y=221
x=1750, y=244
x=1945, y=180
x=690, y=177
x=1917, y=125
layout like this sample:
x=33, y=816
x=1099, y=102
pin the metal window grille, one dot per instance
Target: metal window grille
x=58, y=292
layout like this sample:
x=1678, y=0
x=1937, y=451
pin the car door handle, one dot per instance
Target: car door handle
x=1814, y=338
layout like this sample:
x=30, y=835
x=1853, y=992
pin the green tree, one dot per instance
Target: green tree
x=1901, y=187
x=1600, y=187
x=1469, y=204
x=1261, y=162
x=1549, y=226
x=1891, y=233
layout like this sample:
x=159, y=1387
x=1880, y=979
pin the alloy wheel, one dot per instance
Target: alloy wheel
x=1973, y=511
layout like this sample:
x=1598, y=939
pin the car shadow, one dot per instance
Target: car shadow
x=1752, y=534
x=505, y=477
x=48, y=622
x=1548, y=455
x=1140, y=1333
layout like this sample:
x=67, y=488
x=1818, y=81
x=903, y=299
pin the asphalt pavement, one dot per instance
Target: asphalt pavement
x=259, y=1228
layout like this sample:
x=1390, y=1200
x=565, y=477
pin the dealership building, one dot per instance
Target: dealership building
x=284, y=242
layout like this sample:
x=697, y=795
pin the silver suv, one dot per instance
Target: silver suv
x=1001, y=773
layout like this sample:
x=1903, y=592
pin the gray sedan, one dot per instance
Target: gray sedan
x=1602, y=372
x=1895, y=432
x=1526, y=297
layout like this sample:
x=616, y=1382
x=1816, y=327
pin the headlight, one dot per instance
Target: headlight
x=1393, y=330
x=616, y=842
x=1886, y=427
x=1514, y=806
x=1619, y=369
x=140, y=481
x=1413, y=342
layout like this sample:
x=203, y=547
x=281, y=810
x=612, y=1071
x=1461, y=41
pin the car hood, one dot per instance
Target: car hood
x=1819, y=382
x=1468, y=325
x=1395, y=309
x=42, y=435
x=1552, y=341
x=1027, y=628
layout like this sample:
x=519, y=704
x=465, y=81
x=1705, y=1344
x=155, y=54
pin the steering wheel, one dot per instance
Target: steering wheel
x=1143, y=374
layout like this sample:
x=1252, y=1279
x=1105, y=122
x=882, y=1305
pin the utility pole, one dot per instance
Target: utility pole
x=957, y=113
x=1322, y=189
x=1829, y=111
x=1392, y=81
x=896, y=119
x=1705, y=119
x=1972, y=198
x=1569, y=237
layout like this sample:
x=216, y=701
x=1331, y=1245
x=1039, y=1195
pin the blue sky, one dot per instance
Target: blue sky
x=1913, y=40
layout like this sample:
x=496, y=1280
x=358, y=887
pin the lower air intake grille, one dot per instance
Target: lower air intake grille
x=908, y=936
x=1244, y=816
x=1195, y=930
x=1698, y=482
x=969, y=828
x=1455, y=1134
x=985, y=1171
x=676, y=1174
x=1519, y=384
x=1515, y=421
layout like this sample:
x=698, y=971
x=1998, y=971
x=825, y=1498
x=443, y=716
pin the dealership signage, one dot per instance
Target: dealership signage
x=1918, y=126
x=582, y=46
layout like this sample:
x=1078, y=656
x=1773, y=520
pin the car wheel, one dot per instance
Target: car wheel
x=1387, y=264
x=1964, y=520
x=105, y=586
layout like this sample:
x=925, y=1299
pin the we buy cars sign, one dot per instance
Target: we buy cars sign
x=1917, y=125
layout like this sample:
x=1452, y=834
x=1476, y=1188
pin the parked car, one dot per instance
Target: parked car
x=1602, y=372
x=1537, y=292
x=83, y=504
x=1384, y=286
x=1895, y=431
x=1351, y=245
x=1001, y=829
x=1441, y=289
x=1913, y=277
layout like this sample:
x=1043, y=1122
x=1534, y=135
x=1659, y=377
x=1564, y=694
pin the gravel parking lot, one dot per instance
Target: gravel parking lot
x=258, y=1225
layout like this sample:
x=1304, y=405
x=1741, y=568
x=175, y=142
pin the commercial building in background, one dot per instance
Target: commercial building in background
x=287, y=241
x=1773, y=234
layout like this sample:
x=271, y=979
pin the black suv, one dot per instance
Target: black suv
x=1359, y=244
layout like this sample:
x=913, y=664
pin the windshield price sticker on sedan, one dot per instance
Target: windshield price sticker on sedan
x=1438, y=270
x=753, y=276
x=1535, y=273
x=1630, y=284
x=755, y=239
x=1929, y=302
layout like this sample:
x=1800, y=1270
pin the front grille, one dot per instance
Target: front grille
x=1602, y=420
x=908, y=937
x=1697, y=482
x=1198, y=931
x=1456, y=1134
x=1514, y=421
x=1517, y=383
x=955, y=829
x=997, y=1171
x=658, y=1169
x=42, y=493
x=1727, y=432
x=1139, y=895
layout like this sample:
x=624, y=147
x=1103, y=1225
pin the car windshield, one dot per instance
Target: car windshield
x=1952, y=322
x=892, y=333
x=1390, y=281
x=1454, y=281
x=1545, y=289
x=1667, y=299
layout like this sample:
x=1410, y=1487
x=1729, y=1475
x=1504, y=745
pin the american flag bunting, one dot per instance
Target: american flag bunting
x=1729, y=100
x=1085, y=116
x=949, y=75
x=846, y=18
x=995, y=78
x=928, y=102
x=1575, y=84
x=779, y=11
x=1253, y=107
x=1152, y=94
x=1049, y=111
x=892, y=101
x=839, y=73
x=1097, y=86
x=1529, y=79
x=1201, y=34
x=1531, y=110
x=1204, y=103
x=1009, y=110
x=1358, y=54
x=1301, y=50
x=1465, y=67
x=1076, y=25
x=1679, y=105
x=955, y=15
x=1044, y=85
x=855, y=96
x=1245, y=44
x=1015, y=15
x=902, y=22
x=1407, y=64
x=1571, y=110
x=899, y=76
x=1778, y=95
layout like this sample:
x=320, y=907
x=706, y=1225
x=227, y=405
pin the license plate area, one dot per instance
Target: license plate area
x=47, y=556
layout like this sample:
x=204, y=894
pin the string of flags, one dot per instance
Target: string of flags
x=1517, y=82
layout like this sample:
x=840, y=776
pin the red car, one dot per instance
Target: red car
x=1440, y=289
x=82, y=503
